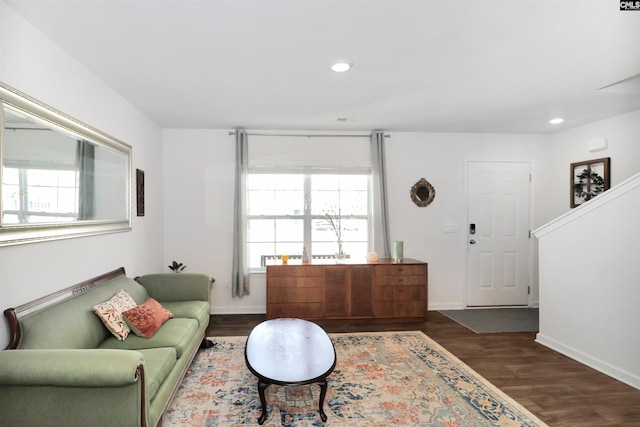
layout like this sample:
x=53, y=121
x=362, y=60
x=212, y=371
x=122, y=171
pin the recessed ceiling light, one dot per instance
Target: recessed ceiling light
x=341, y=66
x=556, y=121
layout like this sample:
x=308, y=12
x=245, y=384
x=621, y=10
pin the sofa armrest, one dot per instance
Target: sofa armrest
x=172, y=287
x=72, y=388
x=69, y=368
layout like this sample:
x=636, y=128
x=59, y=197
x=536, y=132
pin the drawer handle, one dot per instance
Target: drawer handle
x=400, y=279
x=295, y=292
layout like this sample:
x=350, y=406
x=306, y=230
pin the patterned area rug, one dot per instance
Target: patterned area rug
x=381, y=379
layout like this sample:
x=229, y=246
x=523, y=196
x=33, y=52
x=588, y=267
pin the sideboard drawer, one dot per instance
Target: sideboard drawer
x=401, y=280
x=294, y=281
x=283, y=295
x=294, y=270
x=401, y=269
x=297, y=310
x=399, y=293
x=400, y=308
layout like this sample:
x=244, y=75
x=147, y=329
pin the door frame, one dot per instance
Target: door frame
x=533, y=297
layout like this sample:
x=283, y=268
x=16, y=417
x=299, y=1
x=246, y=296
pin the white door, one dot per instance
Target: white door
x=497, y=233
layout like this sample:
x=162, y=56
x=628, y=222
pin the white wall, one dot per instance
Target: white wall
x=589, y=295
x=189, y=209
x=623, y=139
x=199, y=168
x=199, y=182
x=588, y=269
x=199, y=174
x=32, y=64
x=442, y=159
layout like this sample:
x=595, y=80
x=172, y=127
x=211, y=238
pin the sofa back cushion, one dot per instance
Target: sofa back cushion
x=71, y=323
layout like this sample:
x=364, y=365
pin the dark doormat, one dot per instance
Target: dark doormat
x=496, y=320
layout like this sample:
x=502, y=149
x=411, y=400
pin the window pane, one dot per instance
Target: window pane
x=67, y=178
x=277, y=206
x=354, y=182
x=261, y=202
x=11, y=197
x=290, y=230
x=10, y=176
x=357, y=251
x=325, y=182
x=324, y=248
x=67, y=198
x=261, y=230
x=323, y=231
x=41, y=177
x=353, y=203
x=48, y=218
x=42, y=199
x=10, y=219
x=257, y=250
x=355, y=230
x=275, y=182
x=289, y=202
x=289, y=248
x=323, y=202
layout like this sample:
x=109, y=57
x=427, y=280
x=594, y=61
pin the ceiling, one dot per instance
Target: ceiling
x=505, y=66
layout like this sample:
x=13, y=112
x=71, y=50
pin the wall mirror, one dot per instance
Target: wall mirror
x=60, y=177
x=422, y=193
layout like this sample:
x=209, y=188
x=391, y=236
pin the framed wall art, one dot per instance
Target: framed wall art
x=140, y=192
x=588, y=179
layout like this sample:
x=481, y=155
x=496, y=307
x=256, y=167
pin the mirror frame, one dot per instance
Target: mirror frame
x=422, y=184
x=28, y=233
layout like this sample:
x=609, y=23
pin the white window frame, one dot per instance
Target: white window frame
x=306, y=216
x=24, y=212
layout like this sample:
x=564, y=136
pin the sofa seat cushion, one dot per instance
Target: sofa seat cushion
x=176, y=333
x=158, y=363
x=198, y=310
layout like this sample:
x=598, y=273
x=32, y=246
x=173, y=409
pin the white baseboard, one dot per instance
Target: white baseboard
x=604, y=367
x=262, y=310
x=239, y=310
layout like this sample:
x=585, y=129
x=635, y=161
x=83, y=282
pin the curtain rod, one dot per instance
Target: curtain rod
x=309, y=135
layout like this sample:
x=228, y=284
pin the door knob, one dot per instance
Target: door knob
x=472, y=242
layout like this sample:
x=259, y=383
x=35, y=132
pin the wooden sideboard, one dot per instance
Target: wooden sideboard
x=382, y=292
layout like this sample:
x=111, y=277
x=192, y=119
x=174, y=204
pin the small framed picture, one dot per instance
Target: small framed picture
x=140, y=192
x=588, y=179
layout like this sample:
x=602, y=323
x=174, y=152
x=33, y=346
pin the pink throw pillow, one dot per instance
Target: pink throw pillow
x=145, y=319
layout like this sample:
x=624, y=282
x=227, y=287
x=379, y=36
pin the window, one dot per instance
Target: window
x=292, y=211
x=39, y=195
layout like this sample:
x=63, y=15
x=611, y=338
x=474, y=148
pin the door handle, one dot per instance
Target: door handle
x=472, y=242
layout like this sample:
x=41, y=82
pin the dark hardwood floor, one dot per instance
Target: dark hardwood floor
x=557, y=389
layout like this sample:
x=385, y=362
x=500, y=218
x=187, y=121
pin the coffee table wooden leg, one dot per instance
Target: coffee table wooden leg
x=323, y=392
x=262, y=386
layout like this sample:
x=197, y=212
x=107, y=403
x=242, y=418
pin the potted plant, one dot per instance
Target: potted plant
x=177, y=267
x=335, y=221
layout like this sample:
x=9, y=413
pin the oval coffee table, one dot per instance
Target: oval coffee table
x=289, y=352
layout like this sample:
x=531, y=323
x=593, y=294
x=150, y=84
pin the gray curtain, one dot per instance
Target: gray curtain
x=240, y=270
x=85, y=164
x=381, y=242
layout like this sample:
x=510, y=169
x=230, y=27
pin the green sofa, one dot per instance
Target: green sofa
x=64, y=368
